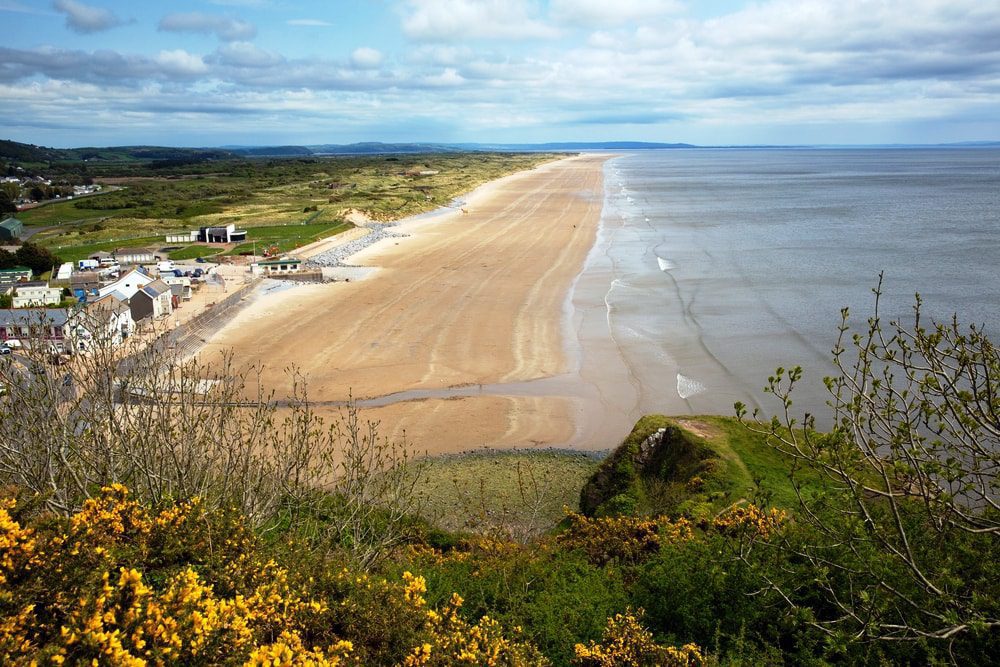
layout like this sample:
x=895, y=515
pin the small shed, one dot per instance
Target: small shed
x=134, y=256
x=11, y=229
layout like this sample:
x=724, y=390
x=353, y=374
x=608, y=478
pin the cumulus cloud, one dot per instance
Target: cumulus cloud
x=366, y=58
x=226, y=28
x=603, y=13
x=86, y=19
x=180, y=62
x=455, y=20
x=775, y=61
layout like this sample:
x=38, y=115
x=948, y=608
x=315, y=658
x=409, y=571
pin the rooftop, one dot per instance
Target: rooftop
x=286, y=260
x=34, y=316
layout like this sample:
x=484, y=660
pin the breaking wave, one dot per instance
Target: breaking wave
x=688, y=387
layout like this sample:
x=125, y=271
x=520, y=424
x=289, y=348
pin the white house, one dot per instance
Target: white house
x=272, y=267
x=227, y=234
x=29, y=295
x=154, y=300
x=108, y=316
x=127, y=285
x=181, y=286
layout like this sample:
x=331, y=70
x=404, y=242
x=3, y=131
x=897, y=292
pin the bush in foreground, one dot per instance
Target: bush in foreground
x=119, y=583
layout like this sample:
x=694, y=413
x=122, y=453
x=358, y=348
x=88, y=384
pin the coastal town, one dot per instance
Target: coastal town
x=121, y=292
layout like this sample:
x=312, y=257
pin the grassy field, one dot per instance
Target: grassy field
x=519, y=492
x=194, y=251
x=263, y=194
x=288, y=237
x=72, y=253
x=709, y=464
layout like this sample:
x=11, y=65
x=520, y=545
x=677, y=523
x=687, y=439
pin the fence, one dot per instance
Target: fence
x=188, y=337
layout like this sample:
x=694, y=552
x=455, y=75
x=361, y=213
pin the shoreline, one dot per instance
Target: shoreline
x=501, y=371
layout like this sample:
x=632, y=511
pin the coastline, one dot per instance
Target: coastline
x=461, y=326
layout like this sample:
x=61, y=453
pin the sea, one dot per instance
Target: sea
x=712, y=268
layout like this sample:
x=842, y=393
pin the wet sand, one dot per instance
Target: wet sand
x=460, y=301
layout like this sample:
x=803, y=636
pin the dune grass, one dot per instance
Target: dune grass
x=522, y=492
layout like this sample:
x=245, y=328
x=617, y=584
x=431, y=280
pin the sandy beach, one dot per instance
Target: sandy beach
x=469, y=298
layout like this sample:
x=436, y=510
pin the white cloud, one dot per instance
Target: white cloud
x=366, y=58
x=309, y=22
x=86, y=19
x=604, y=13
x=226, y=28
x=14, y=6
x=449, y=78
x=245, y=54
x=181, y=62
x=457, y=20
x=806, y=63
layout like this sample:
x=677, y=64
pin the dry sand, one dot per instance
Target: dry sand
x=473, y=298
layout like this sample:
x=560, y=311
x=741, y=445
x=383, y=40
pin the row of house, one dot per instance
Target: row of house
x=113, y=310
x=66, y=330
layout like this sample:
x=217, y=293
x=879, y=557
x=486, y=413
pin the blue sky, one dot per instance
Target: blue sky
x=186, y=73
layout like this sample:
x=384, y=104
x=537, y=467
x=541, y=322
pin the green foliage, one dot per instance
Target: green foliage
x=288, y=237
x=892, y=549
x=40, y=260
x=556, y=597
x=697, y=467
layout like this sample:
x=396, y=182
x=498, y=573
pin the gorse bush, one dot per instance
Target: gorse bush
x=121, y=584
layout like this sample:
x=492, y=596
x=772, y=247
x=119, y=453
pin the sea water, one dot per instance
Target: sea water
x=714, y=267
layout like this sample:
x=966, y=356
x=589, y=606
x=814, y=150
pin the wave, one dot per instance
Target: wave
x=688, y=387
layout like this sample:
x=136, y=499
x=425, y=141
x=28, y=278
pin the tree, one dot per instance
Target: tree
x=36, y=258
x=902, y=544
x=135, y=413
x=9, y=192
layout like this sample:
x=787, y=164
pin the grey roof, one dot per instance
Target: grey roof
x=155, y=288
x=109, y=303
x=85, y=278
x=34, y=316
x=133, y=251
x=12, y=224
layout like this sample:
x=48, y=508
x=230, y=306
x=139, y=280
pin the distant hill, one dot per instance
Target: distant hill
x=15, y=151
x=161, y=155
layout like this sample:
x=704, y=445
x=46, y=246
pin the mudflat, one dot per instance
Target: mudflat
x=474, y=297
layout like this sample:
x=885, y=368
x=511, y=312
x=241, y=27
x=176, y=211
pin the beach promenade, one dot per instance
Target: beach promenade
x=474, y=297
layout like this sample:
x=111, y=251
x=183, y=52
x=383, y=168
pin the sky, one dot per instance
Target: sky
x=271, y=72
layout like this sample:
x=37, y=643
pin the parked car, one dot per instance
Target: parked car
x=200, y=260
x=13, y=343
x=5, y=350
